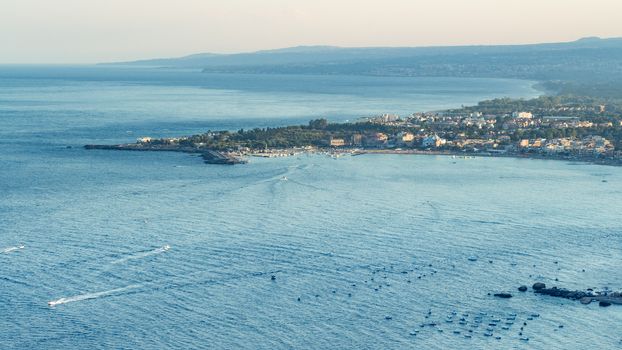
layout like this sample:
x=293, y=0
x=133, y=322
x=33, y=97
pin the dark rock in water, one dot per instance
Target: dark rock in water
x=562, y=293
x=522, y=288
x=503, y=295
x=605, y=299
x=538, y=286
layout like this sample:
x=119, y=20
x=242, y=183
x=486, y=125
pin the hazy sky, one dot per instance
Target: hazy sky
x=84, y=31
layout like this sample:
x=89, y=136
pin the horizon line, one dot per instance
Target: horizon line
x=281, y=48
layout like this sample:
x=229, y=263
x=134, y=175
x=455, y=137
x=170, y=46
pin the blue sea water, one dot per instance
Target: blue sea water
x=158, y=251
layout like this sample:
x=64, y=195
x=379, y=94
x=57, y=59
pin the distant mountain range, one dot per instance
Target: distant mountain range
x=591, y=61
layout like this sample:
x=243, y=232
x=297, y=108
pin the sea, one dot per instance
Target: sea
x=138, y=250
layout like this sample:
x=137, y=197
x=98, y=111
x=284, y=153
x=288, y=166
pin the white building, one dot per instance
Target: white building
x=522, y=115
x=433, y=141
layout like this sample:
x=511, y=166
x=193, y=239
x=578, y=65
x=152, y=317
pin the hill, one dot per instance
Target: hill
x=586, y=66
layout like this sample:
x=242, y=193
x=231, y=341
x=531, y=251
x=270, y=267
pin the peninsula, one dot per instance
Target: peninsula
x=581, y=121
x=559, y=127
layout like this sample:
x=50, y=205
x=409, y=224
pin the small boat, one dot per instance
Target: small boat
x=284, y=178
x=55, y=302
x=166, y=247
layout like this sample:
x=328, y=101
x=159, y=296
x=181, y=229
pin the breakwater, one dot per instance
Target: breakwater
x=209, y=156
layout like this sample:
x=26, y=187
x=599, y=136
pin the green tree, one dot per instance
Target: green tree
x=319, y=124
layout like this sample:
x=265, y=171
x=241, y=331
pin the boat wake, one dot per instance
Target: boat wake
x=176, y=282
x=307, y=185
x=142, y=255
x=12, y=249
x=89, y=296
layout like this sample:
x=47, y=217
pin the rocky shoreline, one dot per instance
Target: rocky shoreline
x=604, y=298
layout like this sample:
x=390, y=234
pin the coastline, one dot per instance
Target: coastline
x=586, y=160
x=239, y=157
x=459, y=154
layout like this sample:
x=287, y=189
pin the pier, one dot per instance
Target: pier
x=209, y=156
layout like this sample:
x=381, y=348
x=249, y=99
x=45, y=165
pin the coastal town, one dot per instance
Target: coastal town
x=478, y=133
x=571, y=131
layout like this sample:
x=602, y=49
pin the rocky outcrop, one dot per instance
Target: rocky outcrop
x=214, y=157
x=503, y=295
x=563, y=293
x=585, y=297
